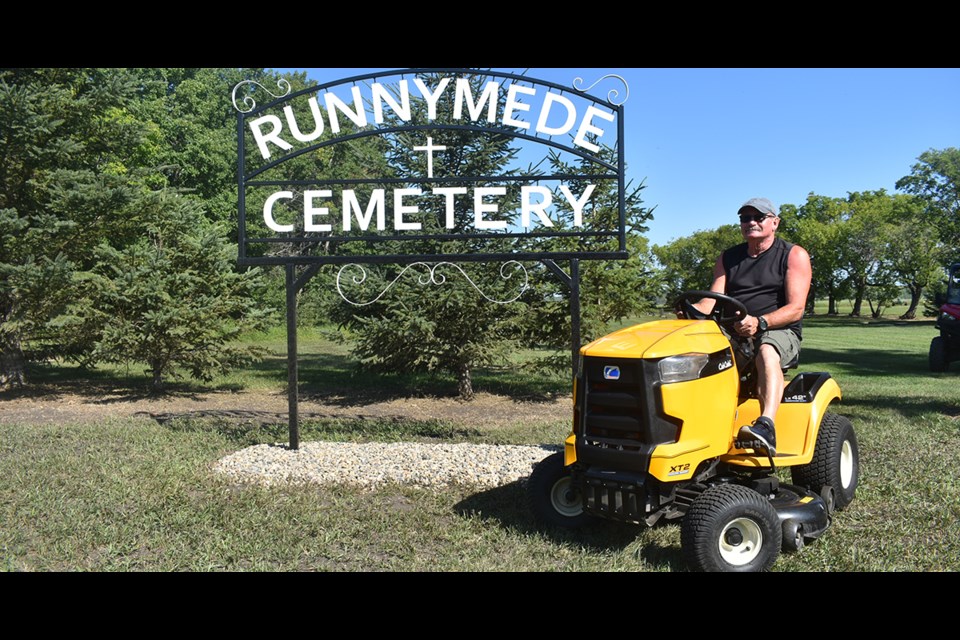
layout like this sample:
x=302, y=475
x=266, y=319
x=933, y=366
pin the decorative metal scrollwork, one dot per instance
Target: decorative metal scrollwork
x=612, y=94
x=432, y=277
x=248, y=100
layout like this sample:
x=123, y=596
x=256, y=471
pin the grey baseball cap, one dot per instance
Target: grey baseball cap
x=762, y=205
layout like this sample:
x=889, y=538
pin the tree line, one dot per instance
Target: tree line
x=118, y=201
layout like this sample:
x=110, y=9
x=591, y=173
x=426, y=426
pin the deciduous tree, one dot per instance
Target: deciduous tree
x=688, y=262
x=936, y=179
x=818, y=226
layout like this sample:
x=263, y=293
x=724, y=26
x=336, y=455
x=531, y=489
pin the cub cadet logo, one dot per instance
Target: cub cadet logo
x=611, y=373
x=679, y=470
x=726, y=364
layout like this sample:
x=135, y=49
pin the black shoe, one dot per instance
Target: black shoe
x=761, y=433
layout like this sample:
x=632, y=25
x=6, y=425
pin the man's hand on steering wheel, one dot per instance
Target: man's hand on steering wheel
x=749, y=326
x=726, y=311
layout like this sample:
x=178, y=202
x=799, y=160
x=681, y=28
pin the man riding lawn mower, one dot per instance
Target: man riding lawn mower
x=657, y=411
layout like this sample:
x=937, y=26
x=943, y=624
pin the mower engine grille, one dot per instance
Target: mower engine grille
x=619, y=424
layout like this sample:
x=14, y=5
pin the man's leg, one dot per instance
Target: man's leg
x=777, y=349
x=769, y=380
x=762, y=432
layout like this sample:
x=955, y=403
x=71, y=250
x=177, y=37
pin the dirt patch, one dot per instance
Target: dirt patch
x=52, y=405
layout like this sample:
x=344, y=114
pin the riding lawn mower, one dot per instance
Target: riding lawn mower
x=945, y=348
x=657, y=410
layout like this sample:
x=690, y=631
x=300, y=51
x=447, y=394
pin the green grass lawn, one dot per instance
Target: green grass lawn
x=135, y=496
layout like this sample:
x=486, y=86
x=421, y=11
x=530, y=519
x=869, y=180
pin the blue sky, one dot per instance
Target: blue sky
x=706, y=140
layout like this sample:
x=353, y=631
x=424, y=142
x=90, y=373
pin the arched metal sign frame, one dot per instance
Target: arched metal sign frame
x=568, y=122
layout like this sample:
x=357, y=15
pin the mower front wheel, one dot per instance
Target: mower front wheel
x=730, y=527
x=552, y=496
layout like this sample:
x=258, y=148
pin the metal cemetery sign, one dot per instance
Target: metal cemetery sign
x=559, y=144
x=429, y=167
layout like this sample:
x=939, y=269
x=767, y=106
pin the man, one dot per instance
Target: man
x=771, y=278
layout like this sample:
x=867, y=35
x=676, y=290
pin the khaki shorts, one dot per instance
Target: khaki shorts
x=786, y=342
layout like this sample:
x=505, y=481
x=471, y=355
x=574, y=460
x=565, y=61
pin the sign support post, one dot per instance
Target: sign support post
x=292, y=367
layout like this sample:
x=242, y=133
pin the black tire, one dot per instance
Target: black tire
x=938, y=355
x=829, y=499
x=792, y=536
x=552, y=497
x=836, y=462
x=730, y=527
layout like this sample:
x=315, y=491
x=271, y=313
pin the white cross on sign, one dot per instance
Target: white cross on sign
x=429, y=149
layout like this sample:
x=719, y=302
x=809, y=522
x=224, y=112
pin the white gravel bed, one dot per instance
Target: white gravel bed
x=371, y=465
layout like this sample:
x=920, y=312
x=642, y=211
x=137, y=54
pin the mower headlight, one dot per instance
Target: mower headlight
x=682, y=368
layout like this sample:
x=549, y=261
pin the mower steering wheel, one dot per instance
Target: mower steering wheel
x=725, y=312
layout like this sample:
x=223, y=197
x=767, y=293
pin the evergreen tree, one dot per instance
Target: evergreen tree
x=88, y=153
x=450, y=325
x=69, y=169
x=173, y=299
x=610, y=290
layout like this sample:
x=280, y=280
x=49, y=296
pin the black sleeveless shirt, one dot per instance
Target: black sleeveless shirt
x=759, y=283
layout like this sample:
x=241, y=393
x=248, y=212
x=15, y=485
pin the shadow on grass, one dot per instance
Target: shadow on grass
x=866, y=362
x=50, y=383
x=249, y=428
x=908, y=407
x=338, y=380
x=862, y=356
x=334, y=379
x=841, y=320
x=507, y=507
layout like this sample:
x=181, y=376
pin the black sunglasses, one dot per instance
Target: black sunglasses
x=755, y=217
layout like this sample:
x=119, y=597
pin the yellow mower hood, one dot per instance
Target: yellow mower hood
x=659, y=339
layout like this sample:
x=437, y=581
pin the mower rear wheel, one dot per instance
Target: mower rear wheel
x=730, y=527
x=836, y=461
x=552, y=496
x=938, y=355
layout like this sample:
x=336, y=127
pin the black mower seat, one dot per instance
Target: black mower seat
x=793, y=364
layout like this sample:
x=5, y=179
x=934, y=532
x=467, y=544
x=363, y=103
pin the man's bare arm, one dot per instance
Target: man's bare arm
x=797, y=285
x=719, y=285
